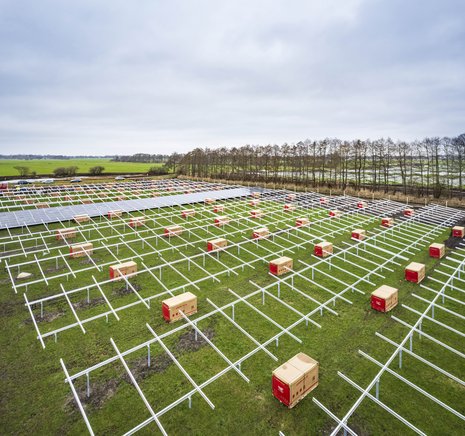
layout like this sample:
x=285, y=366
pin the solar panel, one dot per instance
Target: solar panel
x=32, y=217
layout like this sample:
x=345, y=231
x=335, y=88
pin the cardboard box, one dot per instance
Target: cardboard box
x=323, y=249
x=188, y=212
x=384, y=299
x=256, y=213
x=122, y=269
x=261, y=233
x=409, y=212
x=281, y=266
x=359, y=234
x=437, y=250
x=81, y=250
x=221, y=221
x=68, y=233
x=295, y=379
x=87, y=201
x=42, y=205
x=115, y=214
x=458, y=232
x=81, y=218
x=387, y=222
x=171, y=307
x=137, y=221
x=173, y=231
x=217, y=244
x=415, y=272
x=301, y=222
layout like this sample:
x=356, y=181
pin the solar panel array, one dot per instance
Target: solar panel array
x=62, y=213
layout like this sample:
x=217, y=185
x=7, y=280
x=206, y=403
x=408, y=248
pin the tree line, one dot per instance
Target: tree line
x=143, y=158
x=431, y=166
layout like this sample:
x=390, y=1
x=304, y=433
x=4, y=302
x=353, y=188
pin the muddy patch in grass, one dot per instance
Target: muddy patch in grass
x=188, y=343
x=140, y=369
x=159, y=363
x=84, y=304
x=125, y=290
x=87, y=261
x=357, y=425
x=48, y=317
x=102, y=391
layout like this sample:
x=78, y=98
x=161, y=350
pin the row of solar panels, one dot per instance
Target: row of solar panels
x=32, y=217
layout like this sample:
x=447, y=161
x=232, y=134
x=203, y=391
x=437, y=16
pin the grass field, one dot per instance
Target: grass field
x=34, y=394
x=46, y=166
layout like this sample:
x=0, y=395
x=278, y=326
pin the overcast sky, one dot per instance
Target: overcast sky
x=120, y=77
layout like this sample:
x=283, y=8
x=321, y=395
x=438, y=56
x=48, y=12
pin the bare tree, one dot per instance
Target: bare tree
x=458, y=145
x=411, y=167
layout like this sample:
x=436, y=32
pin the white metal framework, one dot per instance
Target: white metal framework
x=363, y=263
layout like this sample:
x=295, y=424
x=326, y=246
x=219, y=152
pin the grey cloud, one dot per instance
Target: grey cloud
x=162, y=76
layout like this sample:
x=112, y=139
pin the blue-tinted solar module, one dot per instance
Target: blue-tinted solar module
x=32, y=217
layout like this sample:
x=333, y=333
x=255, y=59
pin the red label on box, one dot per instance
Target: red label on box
x=434, y=252
x=281, y=390
x=378, y=303
x=166, y=311
x=411, y=276
x=318, y=251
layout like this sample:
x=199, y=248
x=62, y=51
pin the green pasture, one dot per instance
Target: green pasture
x=45, y=167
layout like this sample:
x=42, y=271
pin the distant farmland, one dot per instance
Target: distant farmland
x=46, y=166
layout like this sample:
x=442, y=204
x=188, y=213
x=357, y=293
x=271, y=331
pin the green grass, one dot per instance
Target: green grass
x=35, y=396
x=46, y=166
